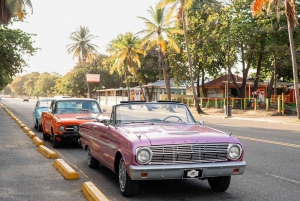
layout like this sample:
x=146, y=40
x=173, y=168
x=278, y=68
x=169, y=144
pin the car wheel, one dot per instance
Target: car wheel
x=39, y=127
x=92, y=162
x=128, y=187
x=45, y=135
x=55, y=142
x=219, y=184
x=35, y=124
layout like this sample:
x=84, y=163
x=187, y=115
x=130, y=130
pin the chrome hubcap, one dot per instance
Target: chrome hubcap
x=89, y=156
x=122, y=175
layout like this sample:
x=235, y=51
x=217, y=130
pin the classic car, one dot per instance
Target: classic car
x=40, y=106
x=61, y=122
x=160, y=140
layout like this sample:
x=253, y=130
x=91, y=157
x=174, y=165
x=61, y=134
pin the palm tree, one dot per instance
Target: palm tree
x=83, y=49
x=9, y=8
x=292, y=22
x=183, y=5
x=157, y=29
x=125, y=53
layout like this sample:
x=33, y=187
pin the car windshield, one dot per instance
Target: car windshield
x=77, y=106
x=44, y=103
x=153, y=113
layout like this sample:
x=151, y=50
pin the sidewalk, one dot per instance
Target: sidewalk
x=262, y=116
x=26, y=174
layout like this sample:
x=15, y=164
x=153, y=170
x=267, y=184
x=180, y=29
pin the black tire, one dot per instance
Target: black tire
x=45, y=135
x=55, y=142
x=219, y=184
x=92, y=162
x=35, y=124
x=127, y=186
x=39, y=126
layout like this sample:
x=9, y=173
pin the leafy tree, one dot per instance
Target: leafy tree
x=11, y=8
x=44, y=85
x=73, y=83
x=125, y=54
x=292, y=22
x=184, y=6
x=83, y=49
x=205, y=47
x=17, y=85
x=30, y=82
x=158, y=27
x=15, y=45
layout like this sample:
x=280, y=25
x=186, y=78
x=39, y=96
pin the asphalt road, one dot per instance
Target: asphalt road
x=272, y=172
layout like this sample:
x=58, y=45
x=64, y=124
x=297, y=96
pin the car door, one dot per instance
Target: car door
x=48, y=117
x=98, y=141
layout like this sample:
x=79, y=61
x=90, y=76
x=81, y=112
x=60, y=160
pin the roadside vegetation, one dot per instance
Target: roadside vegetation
x=180, y=40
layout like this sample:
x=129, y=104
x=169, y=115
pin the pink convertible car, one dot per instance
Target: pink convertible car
x=160, y=140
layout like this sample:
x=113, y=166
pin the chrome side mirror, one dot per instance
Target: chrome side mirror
x=201, y=122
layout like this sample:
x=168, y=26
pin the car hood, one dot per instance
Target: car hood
x=77, y=117
x=178, y=134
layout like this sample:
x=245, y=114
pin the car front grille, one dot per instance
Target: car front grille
x=70, y=129
x=189, y=153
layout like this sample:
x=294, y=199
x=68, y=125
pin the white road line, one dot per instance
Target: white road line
x=283, y=178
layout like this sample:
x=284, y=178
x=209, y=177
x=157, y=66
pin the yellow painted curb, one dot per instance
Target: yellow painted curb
x=48, y=153
x=26, y=129
x=22, y=125
x=64, y=169
x=31, y=134
x=92, y=193
x=37, y=141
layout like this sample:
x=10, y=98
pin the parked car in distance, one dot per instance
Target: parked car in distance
x=40, y=106
x=61, y=122
x=160, y=140
x=25, y=100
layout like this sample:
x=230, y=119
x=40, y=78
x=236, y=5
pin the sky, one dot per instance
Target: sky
x=54, y=20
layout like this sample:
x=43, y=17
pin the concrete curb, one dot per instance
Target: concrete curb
x=65, y=170
x=37, y=141
x=92, y=193
x=26, y=129
x=48, y=153
x=31, y=134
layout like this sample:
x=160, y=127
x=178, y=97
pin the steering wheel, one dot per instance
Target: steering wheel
x=179, y=119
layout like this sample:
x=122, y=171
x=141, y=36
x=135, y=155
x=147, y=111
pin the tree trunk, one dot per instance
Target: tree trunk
x=260, y=58
x=127, y=83
x=149, y=93
x=196, y=100
x=204, y=91
x=166, y=72
x=137, y=78
x=269, y=89
x=295, y=69
x=85, y=78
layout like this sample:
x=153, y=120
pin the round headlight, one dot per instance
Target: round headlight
x=61, y=128
x=234, y=151
x=143, y=155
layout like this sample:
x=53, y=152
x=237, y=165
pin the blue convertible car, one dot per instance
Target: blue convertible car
x=41, y=105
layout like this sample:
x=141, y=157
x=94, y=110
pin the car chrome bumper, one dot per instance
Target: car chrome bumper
x=160, y=172
x=68, y=135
